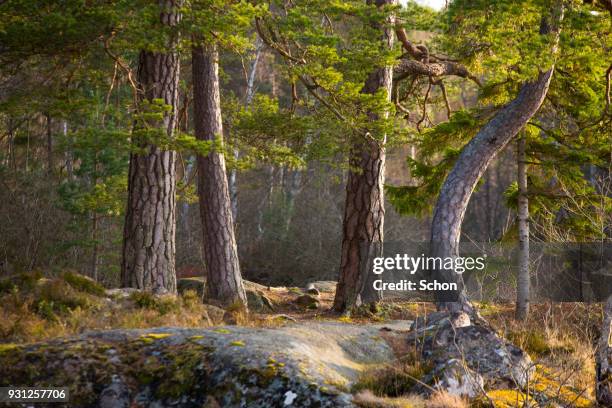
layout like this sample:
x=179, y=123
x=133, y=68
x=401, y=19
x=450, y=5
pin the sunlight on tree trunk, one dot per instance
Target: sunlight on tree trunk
x=523, y=282
x=364, y=208
x=472, y=162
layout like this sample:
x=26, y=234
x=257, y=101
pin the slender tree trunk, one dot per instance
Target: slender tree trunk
x=150, y=221
x=266, y=201
x=49, y=145
x=294, y=185
x=472, y=162
x=250, y=92
x=603, y=371
x=364, y=208
x=94, y=250
x=523, y=281
x=184, y=212
x=224, y=283
x=68, y=153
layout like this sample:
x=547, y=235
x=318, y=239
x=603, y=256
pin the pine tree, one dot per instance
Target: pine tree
x=149, y=231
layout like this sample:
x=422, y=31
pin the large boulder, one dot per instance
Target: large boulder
x=258, y=302
x=307, y=302
x=322, y=286
x=312, y=364
x=469, y=357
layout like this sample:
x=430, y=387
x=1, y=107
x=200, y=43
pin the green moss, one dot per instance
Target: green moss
x=222, y=331
x=163, y=304
x=237, y=343
x=534, y=342
x=55, y=298
x=157, y=336
x=84, y=284
x=8, y=347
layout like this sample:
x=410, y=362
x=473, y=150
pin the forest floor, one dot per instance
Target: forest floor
x=559, y=337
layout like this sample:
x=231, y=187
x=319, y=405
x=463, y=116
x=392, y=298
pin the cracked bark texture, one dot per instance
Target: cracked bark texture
x=472, y=162
x=224, y=282
x=364, y=208
x=149, y=231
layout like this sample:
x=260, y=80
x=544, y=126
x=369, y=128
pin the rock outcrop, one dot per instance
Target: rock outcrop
x=468, y=358
x=311, y=364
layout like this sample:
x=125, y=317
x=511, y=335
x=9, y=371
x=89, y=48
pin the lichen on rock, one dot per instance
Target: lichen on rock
x=309, y=364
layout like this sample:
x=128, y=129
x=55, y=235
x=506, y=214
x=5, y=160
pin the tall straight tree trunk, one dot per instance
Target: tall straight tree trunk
x=150, y=220
x=523, y=281
x=68, y=153
x=49, y=145
x=224, y=282
x=364, y=208
x=472, y=162
x=94, y=249
x=249, y=94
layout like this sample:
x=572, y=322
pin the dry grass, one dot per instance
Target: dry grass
x=367, y=399
x=561, y=339
x=392, y=380
x=446, y=400
x=39, y=308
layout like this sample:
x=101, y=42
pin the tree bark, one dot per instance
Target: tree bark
x=364, y=208
x=150, y=221
x=603, y=371
x=224, y=282
x=523, y=281
x=472, y=162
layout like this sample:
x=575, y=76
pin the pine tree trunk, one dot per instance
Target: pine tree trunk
x=68, y=153
x=364, y=208
x=224, y=283
x=94, y=249
x=472, y=162
x=150, y=221
x=523, y=281
x=603, y=371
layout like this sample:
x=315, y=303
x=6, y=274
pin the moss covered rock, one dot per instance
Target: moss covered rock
x=312, y=364
x=468, y=357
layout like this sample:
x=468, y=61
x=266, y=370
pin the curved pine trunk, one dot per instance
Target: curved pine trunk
x=364, y=208
x=472, y=162
x=224, y=282
x=150, y=220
